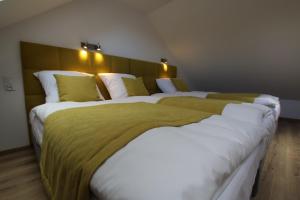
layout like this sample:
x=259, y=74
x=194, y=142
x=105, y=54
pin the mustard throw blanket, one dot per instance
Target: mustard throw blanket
x=244, y=97
x=213, y=106
x=78, y=140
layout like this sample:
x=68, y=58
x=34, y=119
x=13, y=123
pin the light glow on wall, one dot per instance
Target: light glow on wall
x=83, y=54
x=165, y=67
x=98, y=58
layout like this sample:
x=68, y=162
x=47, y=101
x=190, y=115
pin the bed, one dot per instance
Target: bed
x=263, y=99
x=129, y=174
x=237, y=186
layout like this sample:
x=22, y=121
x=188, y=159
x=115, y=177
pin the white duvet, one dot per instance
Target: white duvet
x=188, y=162
x=263, y=99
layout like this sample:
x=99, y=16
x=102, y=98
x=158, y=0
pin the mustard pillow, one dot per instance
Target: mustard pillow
x=76, y=88
x=135, y=87
x=180, y=85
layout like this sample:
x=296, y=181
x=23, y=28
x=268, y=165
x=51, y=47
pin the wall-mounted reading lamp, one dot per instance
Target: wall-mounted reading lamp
x=164, y=62
x=91, y=47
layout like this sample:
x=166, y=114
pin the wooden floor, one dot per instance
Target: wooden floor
x=280, y=179
x=20, y=177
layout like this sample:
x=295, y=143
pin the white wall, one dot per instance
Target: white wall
x=236, y=45
x=120, y=30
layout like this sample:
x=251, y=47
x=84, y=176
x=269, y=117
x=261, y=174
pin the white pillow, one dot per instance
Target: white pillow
x=49, y=84
x=166, y=85
x=115, y=85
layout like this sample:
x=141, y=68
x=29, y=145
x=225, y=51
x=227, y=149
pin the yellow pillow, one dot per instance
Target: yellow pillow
x=76, y=88
x=180, y=85
x=135, y=87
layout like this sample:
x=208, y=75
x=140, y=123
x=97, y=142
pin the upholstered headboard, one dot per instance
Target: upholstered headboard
x=37, y=57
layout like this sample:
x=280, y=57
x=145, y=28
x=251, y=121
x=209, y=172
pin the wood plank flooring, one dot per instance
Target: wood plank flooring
x=280, y=177
x=20, y=176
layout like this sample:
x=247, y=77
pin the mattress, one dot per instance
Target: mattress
x=237, y=186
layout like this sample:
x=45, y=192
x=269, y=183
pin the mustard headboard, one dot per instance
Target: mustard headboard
x=37, y=57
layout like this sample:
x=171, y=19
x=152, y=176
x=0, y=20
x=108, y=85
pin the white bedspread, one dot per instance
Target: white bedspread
x=185, y=162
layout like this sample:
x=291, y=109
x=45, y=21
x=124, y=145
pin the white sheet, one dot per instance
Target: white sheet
x=208, y=151
x=263, y=99
x=239, y=185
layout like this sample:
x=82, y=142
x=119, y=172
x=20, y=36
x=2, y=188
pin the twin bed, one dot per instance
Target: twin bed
x=187, y=154
x=262, y=99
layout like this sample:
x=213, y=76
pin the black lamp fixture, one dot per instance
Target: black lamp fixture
x=164, y=61
x=99, y=47
x=91, y=47
x=84, y=45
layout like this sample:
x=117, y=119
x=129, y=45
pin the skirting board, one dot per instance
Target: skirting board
x=8, y=151
x=290, y=109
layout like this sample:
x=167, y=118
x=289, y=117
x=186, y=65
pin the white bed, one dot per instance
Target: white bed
x=145, y=169
x=263, y=99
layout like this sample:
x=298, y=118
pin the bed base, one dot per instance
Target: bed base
x=37, y=149
x=256, y=182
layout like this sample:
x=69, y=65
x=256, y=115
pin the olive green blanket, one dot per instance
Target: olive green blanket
x=78, y=140
x=244, y=97
x=213, y=106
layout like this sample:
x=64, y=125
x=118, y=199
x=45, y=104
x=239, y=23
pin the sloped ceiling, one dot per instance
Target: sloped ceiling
x=234, y=45
x=146, y=6
x=13, y=11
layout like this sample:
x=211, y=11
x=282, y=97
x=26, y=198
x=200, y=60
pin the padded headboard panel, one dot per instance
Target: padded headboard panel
x=37, y=57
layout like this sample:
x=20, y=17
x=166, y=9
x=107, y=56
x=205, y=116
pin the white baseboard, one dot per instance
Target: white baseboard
x=290, y=109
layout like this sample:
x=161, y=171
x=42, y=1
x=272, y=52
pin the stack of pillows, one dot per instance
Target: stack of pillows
x=68, y=86
x=172, y=85
x=82, y=87
x=123, y=85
